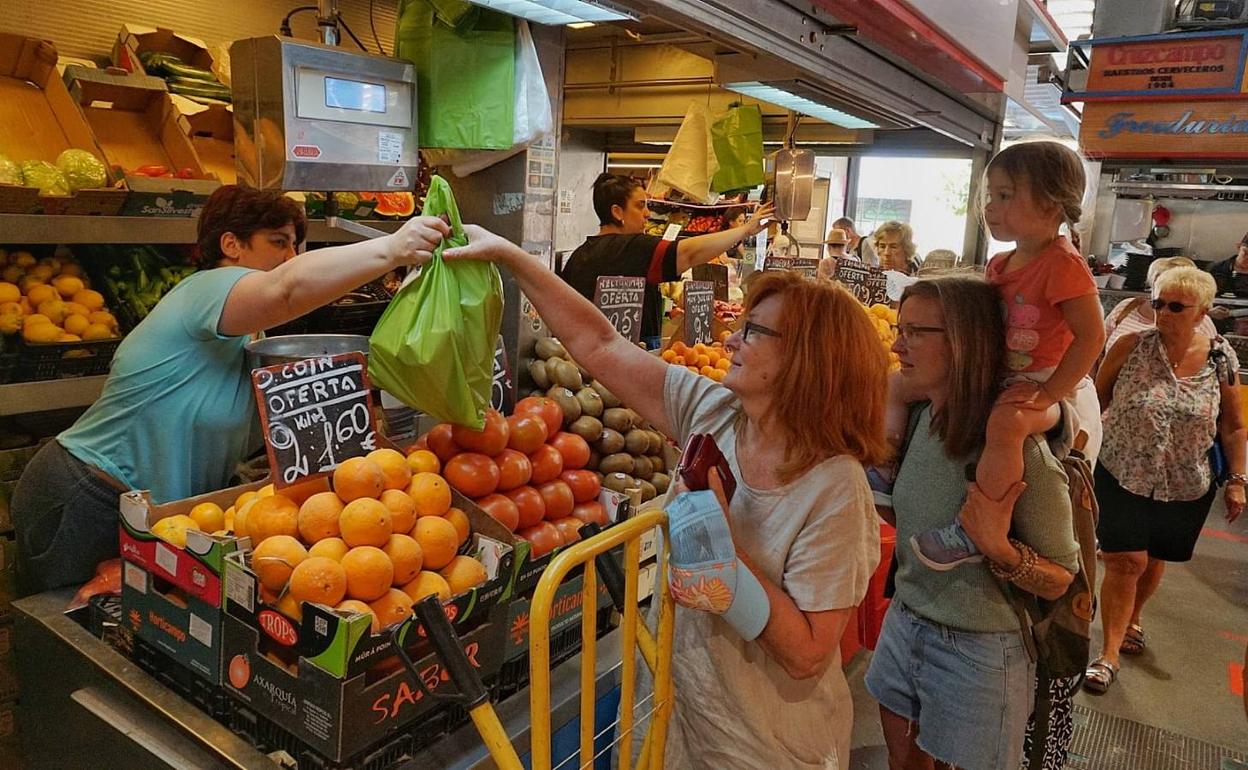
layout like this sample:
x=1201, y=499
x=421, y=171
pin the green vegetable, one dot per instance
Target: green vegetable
x=10, y=172
x=168, y=65
x=45, y=176
x=198, y=88
x=82, y=170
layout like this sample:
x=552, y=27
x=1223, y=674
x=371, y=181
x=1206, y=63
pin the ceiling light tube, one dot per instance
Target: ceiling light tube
x=558, y=12
x=792, y=101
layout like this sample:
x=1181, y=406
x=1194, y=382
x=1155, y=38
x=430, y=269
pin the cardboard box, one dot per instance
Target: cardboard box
x=336, y=717
x=136, y=124
x=39, y=121
x=185, y=628
x=566, y=612
x=134, y=39
x=211, y=131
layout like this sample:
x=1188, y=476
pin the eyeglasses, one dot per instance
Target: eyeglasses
x=1173, y=307
x=908, y=331
x=753, y=328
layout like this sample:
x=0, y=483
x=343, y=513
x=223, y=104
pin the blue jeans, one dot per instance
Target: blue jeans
x=969, y=693
x=66, y=518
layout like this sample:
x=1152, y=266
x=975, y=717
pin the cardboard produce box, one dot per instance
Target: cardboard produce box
x=565, y=613
x=211, y=131
x=134, y=39
x=187, y=629
x=136, y=125
x=39, y=121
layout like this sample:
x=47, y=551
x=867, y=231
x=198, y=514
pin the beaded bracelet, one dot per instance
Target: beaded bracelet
x=1025, y=567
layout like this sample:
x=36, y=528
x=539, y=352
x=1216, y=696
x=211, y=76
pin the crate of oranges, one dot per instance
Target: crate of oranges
x=707, y=360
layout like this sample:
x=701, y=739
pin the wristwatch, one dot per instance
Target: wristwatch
x=1237, y=478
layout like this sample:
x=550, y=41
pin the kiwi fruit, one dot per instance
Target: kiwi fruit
x=660, y=465
x=656, y=443
x=591, y=402
x=619, y=482
x=595, y=458
x=619, y=462
x=608, y=399
x=565, y=374
x=541, y=377
x=610, y=442
x=618, y=420
x=636, y=442
x=587, y=427
x=549, y=347
x=661, y=482
x=566, y=400
x=642, y=467
x=648, y=491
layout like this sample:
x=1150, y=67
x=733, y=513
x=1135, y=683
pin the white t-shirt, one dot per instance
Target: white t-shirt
x=818, y=537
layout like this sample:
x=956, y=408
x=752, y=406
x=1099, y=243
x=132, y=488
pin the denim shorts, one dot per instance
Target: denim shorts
x=969, y=694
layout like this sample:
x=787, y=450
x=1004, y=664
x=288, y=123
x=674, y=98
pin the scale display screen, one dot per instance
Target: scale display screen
x=355, y=95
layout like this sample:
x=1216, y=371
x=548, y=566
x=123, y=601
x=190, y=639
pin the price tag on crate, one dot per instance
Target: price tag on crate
x=866, y=282
x=620, y=298
x=717, y=275
x=699, y=302
x=315, y=413
x=806, y=266
x=501, y=395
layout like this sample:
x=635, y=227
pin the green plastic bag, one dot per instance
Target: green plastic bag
x=737, y=138
x=465, y=58
x=433, y=348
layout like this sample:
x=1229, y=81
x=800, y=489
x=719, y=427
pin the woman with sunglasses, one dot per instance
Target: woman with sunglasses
x=1168, y=394
x=798, y=414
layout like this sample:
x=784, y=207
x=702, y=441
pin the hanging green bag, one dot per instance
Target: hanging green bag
x=737, y=138
x=465, y=58
x=433, y=348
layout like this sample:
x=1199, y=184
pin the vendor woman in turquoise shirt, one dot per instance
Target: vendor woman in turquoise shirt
x=177, y=414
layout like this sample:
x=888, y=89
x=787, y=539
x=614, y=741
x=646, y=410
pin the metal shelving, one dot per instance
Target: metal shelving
x=27, y=397
x=41, y=229
x=1128, y=189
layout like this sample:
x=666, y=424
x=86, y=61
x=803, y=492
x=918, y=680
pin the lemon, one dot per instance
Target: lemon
x=208, y=516
x=9, y=292
x=54, y=309
x=172, y=529
x=41, y=332
x=67, y=285
x=97, y=332
x=76, y=324
x=10, y=323
x=91, y=299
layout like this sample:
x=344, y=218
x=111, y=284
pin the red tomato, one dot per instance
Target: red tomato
x=490, y=440
x=475, y=475
x=547, y=464
x=545, y=408
x=441, y=443
x=591, y=513
x=544, y=537
x=573, y=448
x=586, y=485
x=528, y=432
x=558, y=498
x=502, y=509
x=514, y=469
x=570, y=529
x=530, y=504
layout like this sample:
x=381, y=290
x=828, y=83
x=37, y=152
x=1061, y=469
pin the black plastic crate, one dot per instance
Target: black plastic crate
x=209, y=698
x=58, y=360
x=564, y=645
x=8, y=363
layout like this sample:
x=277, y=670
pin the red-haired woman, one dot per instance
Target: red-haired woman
x=798, y=414
x=176, y=414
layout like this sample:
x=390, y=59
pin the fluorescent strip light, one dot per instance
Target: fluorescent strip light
x=623, y=164
x=782, y=98
x=557, y=12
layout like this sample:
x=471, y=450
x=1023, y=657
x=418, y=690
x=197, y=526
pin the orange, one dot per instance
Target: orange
x=394, y=606
x=706, y=371
x=423, y=461
x=723, y=364
x=394, y=469
x=275, y=558
x=208, y=516
x=243, y=499
x=679, y=348
x=358, y=477
x=669, y=356
x=702, y=360
x=369, y=573
x=303, y=490
x=331, y=547
x=91, y=299
x=402, y=509
x=270, y=516
x=318, y=517
x=428, y=583
x=463, y=573
x=290, y=607
x=438, y=539
x=228, y=519
x=241, y=518
x=406, y=556
x=355, y=605
x=319, y=579
x=365, y=522
x=430, y=493
x=693, y=369
x=459, y=520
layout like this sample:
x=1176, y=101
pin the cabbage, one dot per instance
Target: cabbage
x=81, y=169
x=45, y=176
x=10, y=172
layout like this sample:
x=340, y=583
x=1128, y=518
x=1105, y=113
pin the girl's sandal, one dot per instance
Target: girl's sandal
x=1099, y=676
x=1134, y=642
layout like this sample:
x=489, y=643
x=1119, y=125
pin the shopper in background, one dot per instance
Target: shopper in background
x=894, y=245
x=1132, y=316
x=1169, y=394
x=858, y=245
x=622, y=247
x=1228, y=272
x=177, y=415
x=951, y=674
x=800, y=411
x=837, y=244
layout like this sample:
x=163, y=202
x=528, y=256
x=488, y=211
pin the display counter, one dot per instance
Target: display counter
x=84, y=704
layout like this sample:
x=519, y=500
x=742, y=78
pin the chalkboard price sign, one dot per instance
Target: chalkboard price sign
x=501, y=397
x=868, y=283
x=717, y=275
x=315, y=413
x=699, y=301
x=778, y=263
x=806, y=266
x=620, y=297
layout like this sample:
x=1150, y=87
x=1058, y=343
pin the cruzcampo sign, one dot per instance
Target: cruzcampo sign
x=1169, y=129
x=1201, y=65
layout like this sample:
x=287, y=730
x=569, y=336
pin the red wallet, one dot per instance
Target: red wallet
x=700, y=455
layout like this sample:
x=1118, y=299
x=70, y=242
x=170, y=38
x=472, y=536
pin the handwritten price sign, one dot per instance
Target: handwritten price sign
x=315, y=413
x=699, y=301
x=620, y=299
